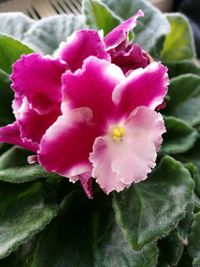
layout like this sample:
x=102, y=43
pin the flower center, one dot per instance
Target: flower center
x=118, y=133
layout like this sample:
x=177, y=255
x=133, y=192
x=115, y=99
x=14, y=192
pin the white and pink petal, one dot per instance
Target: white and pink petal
x=101, y=158
x=119, y=163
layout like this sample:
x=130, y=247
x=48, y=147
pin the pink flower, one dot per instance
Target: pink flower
x=83, y=117
x=108, y=127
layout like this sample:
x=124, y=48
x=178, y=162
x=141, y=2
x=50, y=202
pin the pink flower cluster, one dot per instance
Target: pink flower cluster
x=90, y=112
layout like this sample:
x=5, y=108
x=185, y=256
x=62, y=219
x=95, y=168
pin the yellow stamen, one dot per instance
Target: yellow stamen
x=117, y=133
x=121, y=129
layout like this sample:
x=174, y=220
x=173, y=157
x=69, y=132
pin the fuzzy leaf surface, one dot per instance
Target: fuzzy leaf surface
x=179, y=136
x=194, y=241
x=25, y=210
x=184, y=98
x=85, y=233
x=149, y=210
x=46, y=34
x=14, y=167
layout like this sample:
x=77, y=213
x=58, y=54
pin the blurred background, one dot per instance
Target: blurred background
x=37, y=9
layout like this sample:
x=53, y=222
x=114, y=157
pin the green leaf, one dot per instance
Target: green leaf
x=157, y=204
x=183, y=67
x=15, y=24
x=184, y=98
x=195, y=175
x=99, y=16
x=44, y=35
x=22, y=256
x=196, y=201
x=171, y=248
x=184, y=226
x=157, y=48
x=85, y=234
x=4, y=147
x=150, y=29
x=47, y=34
x=185, y=261
x=193, y=156
x=194, y=241
x=10, y=50
x=6, y=97
x=14, y=167
x=179, y=43
x=161, y=263
x=179, y=136
x=25, y=210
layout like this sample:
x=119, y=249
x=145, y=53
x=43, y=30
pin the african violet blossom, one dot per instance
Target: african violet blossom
x=83, y=117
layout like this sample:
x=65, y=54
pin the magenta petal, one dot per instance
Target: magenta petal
x=86, y=182
x=142, y=87
x=81, y=45
x=11, y=134
x=39, y=79
x=67, y=143
x=34, y=125
x=120, y=34
x=92, y=87
x=161, y=106
x=130, y=59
